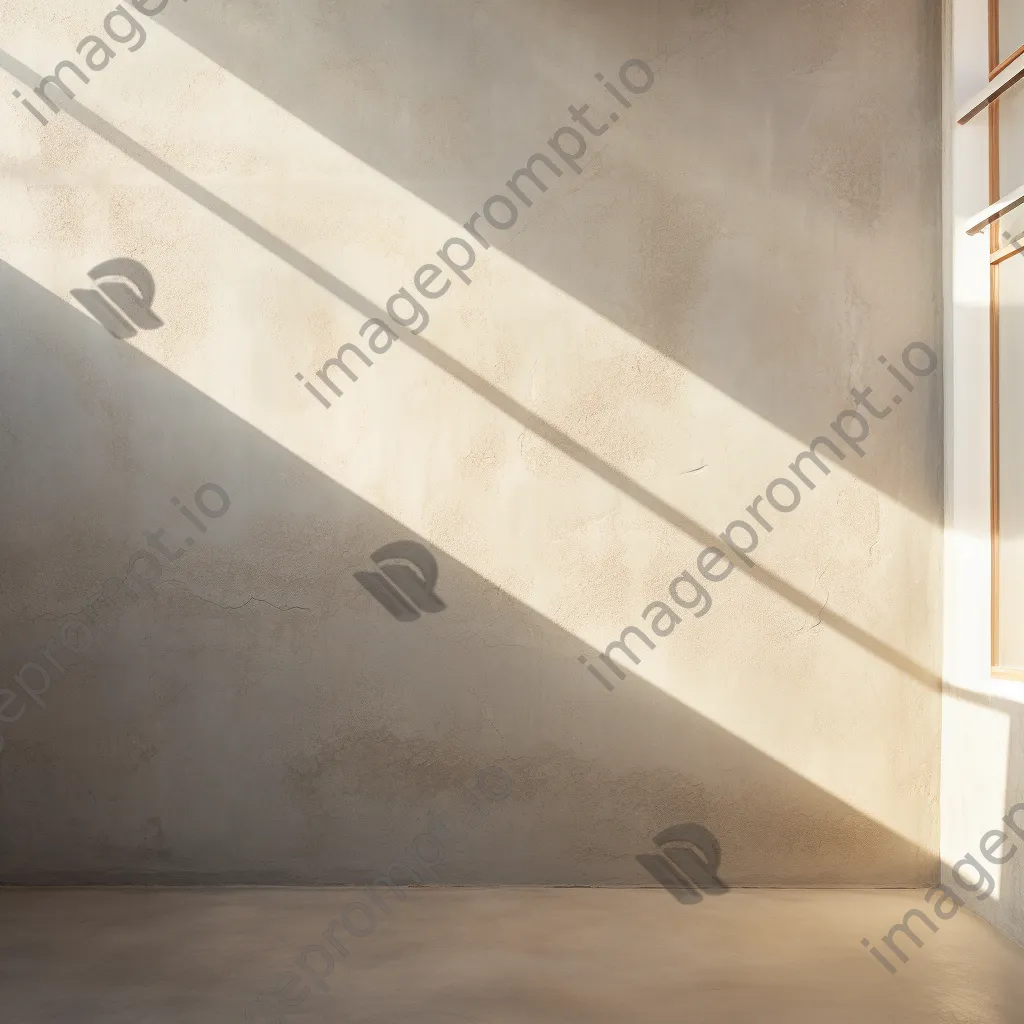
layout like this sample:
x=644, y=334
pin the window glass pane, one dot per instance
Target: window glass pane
x=1011, y=138
x=1011, y=228
x=1011, y=27
x=1011, y=158
x=1011, y=462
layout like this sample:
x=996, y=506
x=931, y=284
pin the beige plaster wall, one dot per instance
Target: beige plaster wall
x=631, y=365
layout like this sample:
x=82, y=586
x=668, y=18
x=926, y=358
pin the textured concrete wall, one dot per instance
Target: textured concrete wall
x=628, y=367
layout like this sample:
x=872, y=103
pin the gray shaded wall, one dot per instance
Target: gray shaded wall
x=652, y=344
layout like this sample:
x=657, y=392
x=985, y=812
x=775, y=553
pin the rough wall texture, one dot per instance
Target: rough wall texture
x=631, y=363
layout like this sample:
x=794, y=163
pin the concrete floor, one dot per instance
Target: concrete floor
x=491, y=956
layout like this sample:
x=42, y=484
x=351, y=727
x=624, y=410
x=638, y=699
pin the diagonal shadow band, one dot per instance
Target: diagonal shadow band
x=497, y=398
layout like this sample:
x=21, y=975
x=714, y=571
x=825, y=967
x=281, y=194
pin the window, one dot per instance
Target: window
x=1004, y=219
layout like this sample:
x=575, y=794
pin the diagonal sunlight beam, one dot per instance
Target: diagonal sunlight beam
x=497, y=398
x=645, y=702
